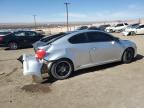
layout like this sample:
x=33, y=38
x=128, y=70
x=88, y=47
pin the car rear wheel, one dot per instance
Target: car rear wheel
x=13, y=45
x=128, y=55
x=133, y=33
x=61, y=69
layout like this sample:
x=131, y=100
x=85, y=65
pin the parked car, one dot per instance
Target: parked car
x=19, y=39
x=110, y=29
x=133, y=25
x=93, y=28
x=118, y=28
x=77, y=50
x=4, y=33
x=139, y=29
x=103, y=27
x=40, y=31
x=129, y=29
x=82, y=28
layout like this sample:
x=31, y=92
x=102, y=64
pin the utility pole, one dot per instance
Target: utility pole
x=67, y=15
x=35, y=21
x=139, y=20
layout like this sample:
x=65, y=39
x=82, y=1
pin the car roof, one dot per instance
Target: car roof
x=24, y=31
x=83, y=31
x=77, y=32
x=87, y=30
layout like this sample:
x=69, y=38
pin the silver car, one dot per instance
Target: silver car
x=67, y=53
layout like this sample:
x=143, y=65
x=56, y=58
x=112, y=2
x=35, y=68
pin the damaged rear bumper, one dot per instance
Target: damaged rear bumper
x=34, y=67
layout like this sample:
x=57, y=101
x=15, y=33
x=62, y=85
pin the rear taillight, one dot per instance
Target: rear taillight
x=40, y=54
x=1, y=38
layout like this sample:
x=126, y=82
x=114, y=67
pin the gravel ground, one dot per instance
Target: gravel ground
x=114, y=85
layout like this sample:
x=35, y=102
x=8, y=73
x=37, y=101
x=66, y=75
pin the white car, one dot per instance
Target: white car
x=117, y=28
x=120, y=27
x=110, y=29
x=133, y=31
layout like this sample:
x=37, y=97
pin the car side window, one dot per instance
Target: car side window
x=118, y=25
x=31, y=34
x=99, y=37
x=19, y=34
x=79, y=38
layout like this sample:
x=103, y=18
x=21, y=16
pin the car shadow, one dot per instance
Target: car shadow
x=8, y=49
x=138, y=57
x=95, y=69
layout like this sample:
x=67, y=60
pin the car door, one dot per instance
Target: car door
x=32, y=37
x=140, y=30
x=21, y=38
x=79, y=48
x=104, y=48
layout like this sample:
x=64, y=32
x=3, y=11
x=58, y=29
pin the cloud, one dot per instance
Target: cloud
x=132, y=11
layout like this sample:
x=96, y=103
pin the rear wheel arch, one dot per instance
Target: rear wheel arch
x=60, y=59
x=54, y=64
x=67, y=59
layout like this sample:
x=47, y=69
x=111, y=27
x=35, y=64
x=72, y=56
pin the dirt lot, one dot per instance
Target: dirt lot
x=110, y=86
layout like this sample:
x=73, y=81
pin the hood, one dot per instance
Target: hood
x=120, y=27
x=110, y=27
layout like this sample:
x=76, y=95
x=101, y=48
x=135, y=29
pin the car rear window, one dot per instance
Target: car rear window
x=53, y=37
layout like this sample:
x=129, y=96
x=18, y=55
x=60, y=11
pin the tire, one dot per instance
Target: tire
x=110, y=30
x=61, y=69
x=133, y=33
x=13, y=45
x=128, y=55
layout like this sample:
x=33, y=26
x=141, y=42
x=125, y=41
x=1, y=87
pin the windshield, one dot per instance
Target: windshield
x=133, y=26
x=48, y=38
x=4, y=33
x=118, y=25
x=82, y=28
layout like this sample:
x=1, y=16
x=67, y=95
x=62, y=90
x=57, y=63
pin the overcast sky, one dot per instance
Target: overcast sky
x=79, y=10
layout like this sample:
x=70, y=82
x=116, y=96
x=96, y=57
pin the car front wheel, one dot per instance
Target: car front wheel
x=128, y=55
x=61, y=69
